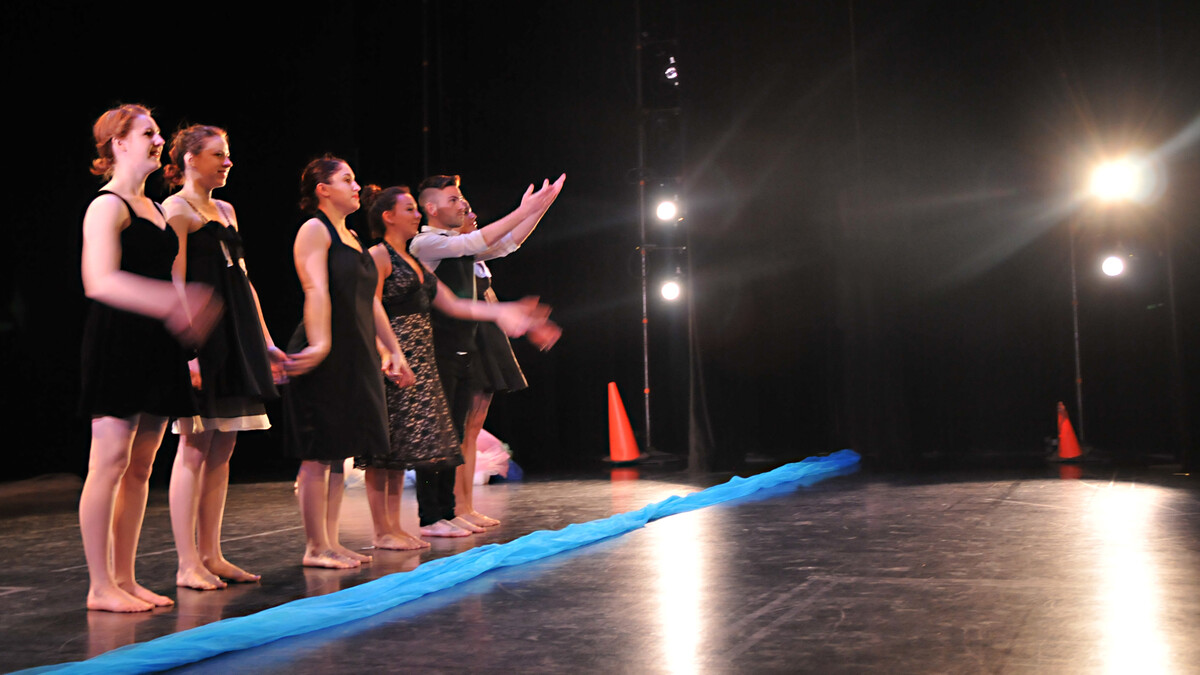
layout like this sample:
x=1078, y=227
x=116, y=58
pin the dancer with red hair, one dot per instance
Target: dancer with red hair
x=134, y=367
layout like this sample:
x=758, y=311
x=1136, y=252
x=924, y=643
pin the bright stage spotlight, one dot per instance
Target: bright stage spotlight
x=1115, y=181
x=671, y=290
x=667, y=210
x=1125, y=179
x=1113, y=266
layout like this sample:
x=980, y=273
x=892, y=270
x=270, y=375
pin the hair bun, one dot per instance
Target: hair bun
x=100, y=166
x=367, y=195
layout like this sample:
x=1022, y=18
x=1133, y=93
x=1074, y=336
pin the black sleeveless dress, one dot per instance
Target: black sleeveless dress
x=419, y=425
x=130, y=362
x=337, y=409
x=495, y=368
x=235, y=371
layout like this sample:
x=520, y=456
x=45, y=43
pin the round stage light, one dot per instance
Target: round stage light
x=666, y=210
x=671, y=290
x=1113, y=266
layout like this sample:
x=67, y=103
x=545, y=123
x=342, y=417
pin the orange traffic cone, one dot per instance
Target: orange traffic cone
x=622, y=447
x=1068, y=445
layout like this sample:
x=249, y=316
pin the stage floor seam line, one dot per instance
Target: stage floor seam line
x=172, y=549
x=765, y=631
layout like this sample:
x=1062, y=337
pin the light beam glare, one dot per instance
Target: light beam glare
x=1131, y=621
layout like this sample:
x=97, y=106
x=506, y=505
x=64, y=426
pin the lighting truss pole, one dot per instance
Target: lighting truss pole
x=1075, y=322
x=641, y=193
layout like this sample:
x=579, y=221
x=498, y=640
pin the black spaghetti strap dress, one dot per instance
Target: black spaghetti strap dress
x=130, y=363
x=337, y=409
x=495, y=368
x=235, y=371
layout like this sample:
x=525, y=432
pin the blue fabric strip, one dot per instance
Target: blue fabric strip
x=373, y=597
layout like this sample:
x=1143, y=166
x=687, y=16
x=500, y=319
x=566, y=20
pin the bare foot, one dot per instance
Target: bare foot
x=328, y=559
x=199, y=579
x=421, y=543
x=478, y=519
x=146, y=595
x=467, y=525
x=444, y=528
x=116, y=600
x=344, y=552
x=227, y=570
x=398, y=542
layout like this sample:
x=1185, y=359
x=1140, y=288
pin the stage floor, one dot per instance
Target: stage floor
x=994, y=573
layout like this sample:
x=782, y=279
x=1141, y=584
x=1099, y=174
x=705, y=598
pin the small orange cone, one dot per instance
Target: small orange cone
x=1068, y=445
x=622, y=447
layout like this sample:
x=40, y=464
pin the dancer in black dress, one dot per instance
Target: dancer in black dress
x=134, y=372
x=234, y=367
x=421, y=430
x=495, y=369
x=334, y=402
x=442, y=247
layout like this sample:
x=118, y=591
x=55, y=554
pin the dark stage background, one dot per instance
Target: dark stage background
x=876, y=193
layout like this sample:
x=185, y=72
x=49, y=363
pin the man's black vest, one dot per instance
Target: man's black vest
x=454, y=335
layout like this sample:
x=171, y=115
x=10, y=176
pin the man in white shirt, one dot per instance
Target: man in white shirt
x=452, y=256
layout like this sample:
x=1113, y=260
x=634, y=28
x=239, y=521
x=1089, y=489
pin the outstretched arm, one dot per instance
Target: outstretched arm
x=525, y=228
x=496, y=239
x=514, y=318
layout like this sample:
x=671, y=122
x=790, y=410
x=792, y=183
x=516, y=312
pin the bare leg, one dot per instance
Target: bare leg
x=215, y=487
x=464, y=480
x=395, y=493
x=313, y=487
x=377, y=499
x=186, y=480
x=337, y=490
x=112, y=439
x=131, y=508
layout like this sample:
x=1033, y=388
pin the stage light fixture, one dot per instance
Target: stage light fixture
x=1113, y=266
x=671, y=72
x=671, y=290
x=1114, y=181
x=1129, y=179
x=667, y=210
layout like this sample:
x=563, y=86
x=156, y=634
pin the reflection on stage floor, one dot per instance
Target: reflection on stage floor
x=1001, y=572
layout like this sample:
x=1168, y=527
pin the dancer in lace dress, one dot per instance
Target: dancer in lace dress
x=422, y=433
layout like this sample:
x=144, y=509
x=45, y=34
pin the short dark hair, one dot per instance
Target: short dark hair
x=438, y=182
x=433, y=183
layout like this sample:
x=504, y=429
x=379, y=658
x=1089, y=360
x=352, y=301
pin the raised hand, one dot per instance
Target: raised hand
x=540, y=201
